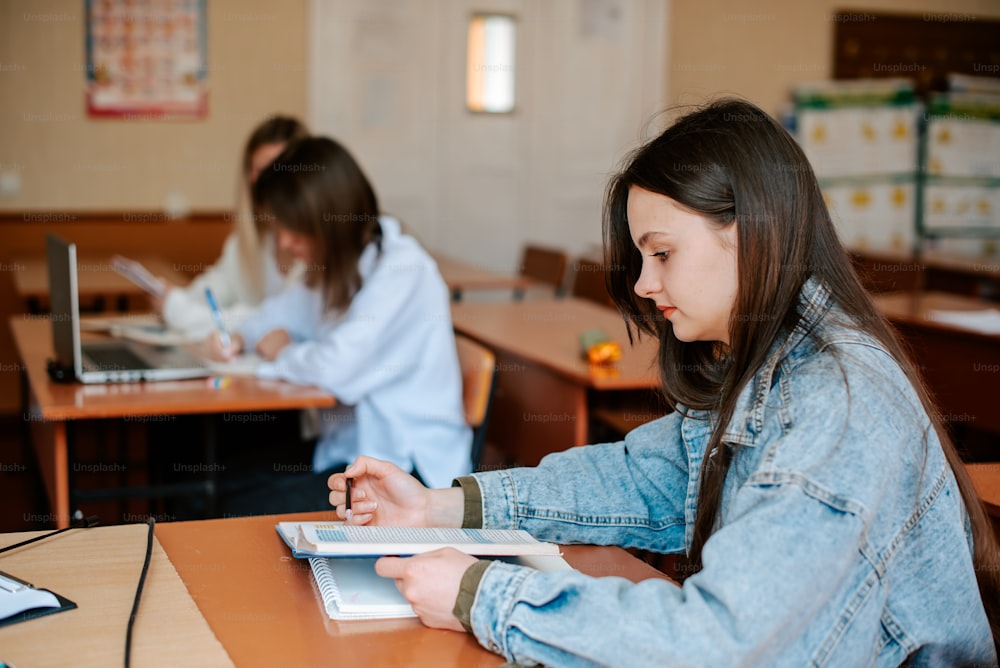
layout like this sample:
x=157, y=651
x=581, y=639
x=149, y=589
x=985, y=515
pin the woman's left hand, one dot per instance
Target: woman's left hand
x=430, y=582
x=273, y=343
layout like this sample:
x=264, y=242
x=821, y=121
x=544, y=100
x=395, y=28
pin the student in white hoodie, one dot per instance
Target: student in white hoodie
x=249, y=269
x=370, y=322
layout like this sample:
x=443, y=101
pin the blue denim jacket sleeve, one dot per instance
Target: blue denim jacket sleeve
x=566, y=618
x=525, y=615
x=629, y=493
x=828, y=538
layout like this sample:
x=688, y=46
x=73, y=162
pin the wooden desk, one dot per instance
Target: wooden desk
x=96, y=282
x=50, y=406
x=885, y=271
x=986, y=479
x=545, y=389
x=98, y=569
x=461, y=276
x=960, y=366
x=262, y=606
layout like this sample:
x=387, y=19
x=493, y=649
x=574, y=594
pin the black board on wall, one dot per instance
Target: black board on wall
x=925, y=47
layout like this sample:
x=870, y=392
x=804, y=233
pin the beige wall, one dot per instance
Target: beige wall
x=759, y=49
x=257, y=56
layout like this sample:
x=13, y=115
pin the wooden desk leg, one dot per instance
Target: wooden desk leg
x=50, y=444
x=535, y=412
x=50, y=440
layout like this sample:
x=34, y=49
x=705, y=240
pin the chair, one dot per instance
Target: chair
x=589, y=282
x=543, y=265
x=478, y=365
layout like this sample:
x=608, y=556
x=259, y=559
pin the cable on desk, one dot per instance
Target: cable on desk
x=150, y=522
x=79, y=522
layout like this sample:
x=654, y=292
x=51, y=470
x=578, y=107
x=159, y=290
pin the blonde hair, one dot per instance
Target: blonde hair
x=249, y=226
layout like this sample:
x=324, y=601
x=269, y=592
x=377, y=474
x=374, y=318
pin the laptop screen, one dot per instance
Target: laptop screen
x=64, y=304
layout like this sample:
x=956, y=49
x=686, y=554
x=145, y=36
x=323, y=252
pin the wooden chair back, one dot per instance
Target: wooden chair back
x=544, y=265
x=478, y=365
x=589, y=282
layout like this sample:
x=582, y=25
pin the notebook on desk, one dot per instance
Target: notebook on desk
x=102, y=361
x=350, y=588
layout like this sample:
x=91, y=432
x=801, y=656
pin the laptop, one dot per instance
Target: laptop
x=112, y=361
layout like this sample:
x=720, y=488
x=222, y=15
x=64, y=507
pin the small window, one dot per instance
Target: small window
x=489, y=80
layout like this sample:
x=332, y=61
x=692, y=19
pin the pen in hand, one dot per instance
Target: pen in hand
x=347, y=510
x=224, y=337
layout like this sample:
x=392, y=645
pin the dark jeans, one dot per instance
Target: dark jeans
x=280, y=489
x=262, y=466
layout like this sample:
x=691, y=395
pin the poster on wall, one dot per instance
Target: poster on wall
x=146, y=59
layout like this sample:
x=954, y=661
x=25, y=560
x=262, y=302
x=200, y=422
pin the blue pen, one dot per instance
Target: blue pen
x=217, y=315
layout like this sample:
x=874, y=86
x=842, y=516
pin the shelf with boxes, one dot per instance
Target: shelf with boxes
x=900, y=174
x=861, y=138
x=960, y=162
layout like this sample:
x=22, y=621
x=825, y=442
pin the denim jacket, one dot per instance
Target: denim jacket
x=842, y=538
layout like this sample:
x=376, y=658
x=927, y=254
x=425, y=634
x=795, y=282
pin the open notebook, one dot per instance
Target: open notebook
x=336, y=539
x=351, y=589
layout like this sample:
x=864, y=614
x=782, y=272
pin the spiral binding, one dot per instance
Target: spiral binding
x=328, y=588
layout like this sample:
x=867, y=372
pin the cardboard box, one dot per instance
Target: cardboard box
x=872, y=214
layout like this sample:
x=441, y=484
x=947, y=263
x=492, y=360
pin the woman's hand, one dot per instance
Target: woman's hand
x=272, y=343
x=384, y=494
x=430, y=582
x=220, y=353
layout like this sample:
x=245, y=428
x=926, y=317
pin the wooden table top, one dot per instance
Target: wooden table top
x=461, y=275
x=914, y=308
x=546, y=332
x=986, y=479
x=98, y=569
x=66, y=401
x=262, y=605
x=95, y=277
x=985, y=266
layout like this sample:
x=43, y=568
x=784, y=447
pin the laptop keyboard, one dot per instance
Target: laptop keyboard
x=115, y=359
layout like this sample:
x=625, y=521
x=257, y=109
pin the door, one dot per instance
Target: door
x=387, y=78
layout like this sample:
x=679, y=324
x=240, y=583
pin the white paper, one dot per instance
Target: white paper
x=138, y=274
x=241, y=365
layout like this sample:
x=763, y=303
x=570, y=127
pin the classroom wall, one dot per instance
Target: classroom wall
x=67, y=161
x=83, y=178
x=257, y=57
x=760, y=49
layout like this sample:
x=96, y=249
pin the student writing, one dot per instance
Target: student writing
x=248, y=270
x=804, y=469
x=370, y=322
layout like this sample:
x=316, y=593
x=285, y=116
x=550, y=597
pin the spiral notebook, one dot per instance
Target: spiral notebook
x=351, y=589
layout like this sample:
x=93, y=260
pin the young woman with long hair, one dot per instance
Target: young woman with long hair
x=370, y=322
x=804, y=468
x=249, y=270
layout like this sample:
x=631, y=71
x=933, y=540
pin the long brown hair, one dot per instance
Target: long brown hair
x=728, y=162
x=249, y=226
x=316, y=188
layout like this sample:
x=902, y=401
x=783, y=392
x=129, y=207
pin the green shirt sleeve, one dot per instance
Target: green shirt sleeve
x=472, y=516
x=467, y=593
